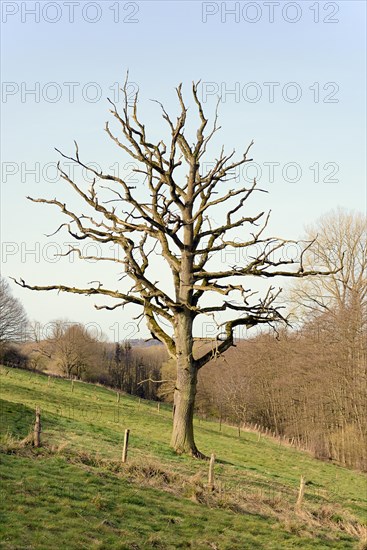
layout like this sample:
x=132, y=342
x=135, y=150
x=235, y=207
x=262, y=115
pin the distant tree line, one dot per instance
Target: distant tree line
x=309, y=384
x=71, y=351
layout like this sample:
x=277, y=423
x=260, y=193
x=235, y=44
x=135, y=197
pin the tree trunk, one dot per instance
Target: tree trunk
x=183, y=431
x=182, y=439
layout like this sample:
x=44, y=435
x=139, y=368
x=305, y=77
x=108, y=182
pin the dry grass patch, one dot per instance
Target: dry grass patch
x=10, y=444
x=149, y=472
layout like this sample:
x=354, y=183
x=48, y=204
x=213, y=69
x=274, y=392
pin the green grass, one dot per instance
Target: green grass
x=73, y=492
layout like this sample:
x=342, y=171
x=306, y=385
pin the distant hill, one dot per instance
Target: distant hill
x=141, y=343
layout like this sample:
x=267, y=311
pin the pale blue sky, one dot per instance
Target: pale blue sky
x=170, y=43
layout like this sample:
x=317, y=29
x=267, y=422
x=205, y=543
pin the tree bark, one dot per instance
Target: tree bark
x=183, y=432
x=182, y=439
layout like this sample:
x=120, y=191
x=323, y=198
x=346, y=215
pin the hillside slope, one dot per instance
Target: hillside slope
x=74, y=493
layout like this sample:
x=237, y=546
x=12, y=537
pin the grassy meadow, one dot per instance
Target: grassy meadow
x=73, y=492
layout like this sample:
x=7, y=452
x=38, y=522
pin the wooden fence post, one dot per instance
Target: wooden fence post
x=158, y=407
x=72, y=385
x=301, y=492
x=37, y=428
x=211, y=473
x=126, y=443
x=118, y=397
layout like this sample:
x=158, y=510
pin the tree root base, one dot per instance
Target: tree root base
x=194, y=453
x=200, y=456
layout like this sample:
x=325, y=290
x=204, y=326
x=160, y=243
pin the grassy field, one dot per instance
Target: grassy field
x=73, y=492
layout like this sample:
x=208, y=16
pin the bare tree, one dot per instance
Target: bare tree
x=71, y=348
x=13, y=318
x=68, y=349
x=339, y=238
x=175, y=220
x=338, y=307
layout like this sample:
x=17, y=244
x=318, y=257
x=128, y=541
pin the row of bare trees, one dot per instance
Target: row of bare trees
x=69, y=350
x=309, y=384
x=298, y=385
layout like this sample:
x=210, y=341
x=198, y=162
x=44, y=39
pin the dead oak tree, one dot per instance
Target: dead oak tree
x=176, y=222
